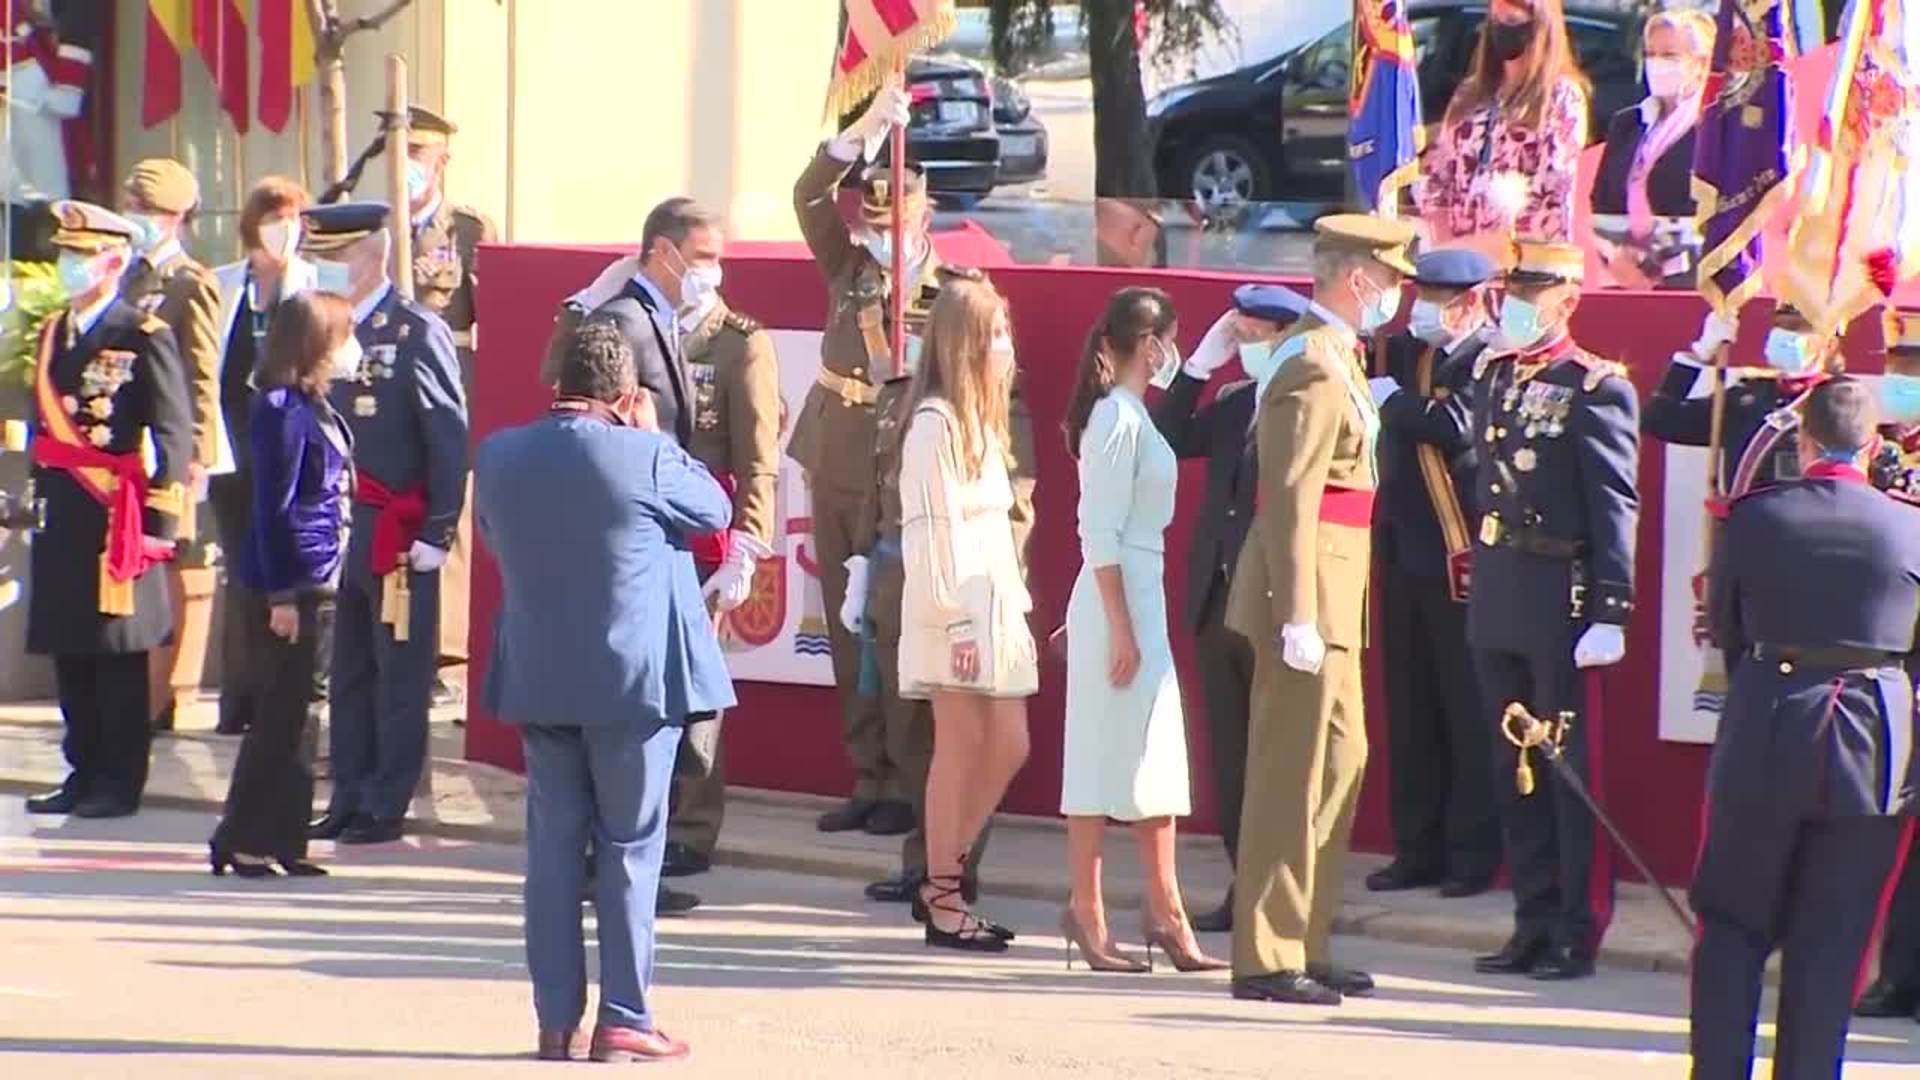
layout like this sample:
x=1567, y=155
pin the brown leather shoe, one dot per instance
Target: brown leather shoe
x=557, y=1045
x=628, y=1044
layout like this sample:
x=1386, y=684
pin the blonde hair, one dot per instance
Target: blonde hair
x=955, y=367
x=1696, y=26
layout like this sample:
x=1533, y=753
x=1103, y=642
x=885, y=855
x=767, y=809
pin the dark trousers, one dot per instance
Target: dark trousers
x=698, y=795
x=380, y=693
x=863, y=731
x=1812, y=888
x=1900, y=941
x=271, y=796
x=231, y=496
x=1562, y=881
x=1439, y=738
x=103, y=698
x=1226, y=685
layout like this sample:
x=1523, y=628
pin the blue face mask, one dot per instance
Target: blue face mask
x=148, y=236
x=1789, y=351
x=1380, y=309
x=76, y=272
x=416, y=181
x=1520, y=323
x=1900, y=399
x=1259, y=359
x=333, y=277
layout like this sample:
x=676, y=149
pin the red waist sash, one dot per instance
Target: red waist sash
x=710, y=550
x=401, y=515
x=1352, y=507
x=126, y=553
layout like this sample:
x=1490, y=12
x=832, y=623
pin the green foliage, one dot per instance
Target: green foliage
x=1022, y=29
x=37, y=296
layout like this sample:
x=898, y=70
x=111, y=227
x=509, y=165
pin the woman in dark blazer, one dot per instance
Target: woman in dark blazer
x=1646, y=170
x=302, y=479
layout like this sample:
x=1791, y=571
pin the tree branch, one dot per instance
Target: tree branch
x=374, y=21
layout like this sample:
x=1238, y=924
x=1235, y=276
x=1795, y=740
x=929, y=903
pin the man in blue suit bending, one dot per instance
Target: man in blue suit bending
x=602, y=648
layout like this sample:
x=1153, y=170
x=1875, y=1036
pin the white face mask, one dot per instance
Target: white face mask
x=1000, y=357
x=280, y=238
x=333, y=277
x=1666, y=77
x=699, y=291
x=1169, y=368
x=345, y=362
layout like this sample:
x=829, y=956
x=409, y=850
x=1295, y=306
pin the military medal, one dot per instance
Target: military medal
x=366, y=405
x=1490, y=530
x=1525, y=459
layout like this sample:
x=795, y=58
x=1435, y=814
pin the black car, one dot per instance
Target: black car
x=1278, y=129
x=1023, y=139
x=969, y=133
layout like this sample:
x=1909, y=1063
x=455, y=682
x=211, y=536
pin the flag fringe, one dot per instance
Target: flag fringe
x=1706, y=199
x=850, y=88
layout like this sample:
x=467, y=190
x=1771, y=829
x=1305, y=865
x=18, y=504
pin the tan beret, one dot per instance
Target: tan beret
x=165, y=185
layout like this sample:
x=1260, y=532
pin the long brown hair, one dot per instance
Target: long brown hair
x=307, y=328
x=1548, y=61
x=1133, y=315
x=954, y=367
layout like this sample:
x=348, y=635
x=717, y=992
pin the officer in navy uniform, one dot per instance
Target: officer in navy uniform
x=409, y=423
x=1440, y=745
x=107, y=380
x=1818, y=584
x=1558, y=430
x=1218, y=432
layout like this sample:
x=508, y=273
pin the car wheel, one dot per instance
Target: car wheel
x=1224, y=171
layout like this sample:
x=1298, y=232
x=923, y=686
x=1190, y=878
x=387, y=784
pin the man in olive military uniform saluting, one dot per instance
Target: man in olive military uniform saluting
x=833, y=437
x=1557, y=488
x=107, y=379
x=408, y=418
x=1299, y=597
x=167, y=282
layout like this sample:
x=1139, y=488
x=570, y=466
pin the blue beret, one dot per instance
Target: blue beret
x=336, y=225
x=1453, y=268
x=1274, y=303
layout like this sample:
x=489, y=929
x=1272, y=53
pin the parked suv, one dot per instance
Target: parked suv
x=969, y=133
x=1278, y=129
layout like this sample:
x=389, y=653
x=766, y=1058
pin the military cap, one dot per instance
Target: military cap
x=336, y=225
x=84, y=227
x=1901, y=329
x=876, y=193
x=1453, y=268
x=1384, y=239
x=424, y=126
x=164, y=184
x=1274, y=303
x=1544, y=262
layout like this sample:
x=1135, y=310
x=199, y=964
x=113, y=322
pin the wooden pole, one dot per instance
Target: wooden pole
x=899, y=168
x=401, y=218
x=303, y=133
x=329, y=56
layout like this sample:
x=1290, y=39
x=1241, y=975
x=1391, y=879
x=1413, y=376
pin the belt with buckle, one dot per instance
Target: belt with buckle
x=1835, y=658
x=850, y=390
x=1495, y=532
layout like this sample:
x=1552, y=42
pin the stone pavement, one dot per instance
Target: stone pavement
x=774, y=831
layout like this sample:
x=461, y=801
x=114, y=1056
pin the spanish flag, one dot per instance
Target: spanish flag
x=878, y=33
x=169, y=27
x=286, y=57
x=220, y=32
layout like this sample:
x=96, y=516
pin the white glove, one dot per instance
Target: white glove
x=425, y=558
x=1220, y=345
x=889, y=109
x=731, y=584
x=1716, y=331
x=853, y=608
x=1383, y=387
x=1302, y=648
x=1602, y=644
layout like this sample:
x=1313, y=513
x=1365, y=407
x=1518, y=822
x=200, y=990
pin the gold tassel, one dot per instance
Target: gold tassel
x=1523, y=774
x=396, y=602
x=116, y=596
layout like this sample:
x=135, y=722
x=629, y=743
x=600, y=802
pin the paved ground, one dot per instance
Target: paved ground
x=123, y=957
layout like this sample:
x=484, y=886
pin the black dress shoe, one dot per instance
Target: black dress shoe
x=891, y=818
x=164, y=721
x=846, y=817
x=1518, y=956
x=1349, y=982
x=1397, y=876
x=1462, y=886
x=331, y=825
x=1217, y=921
x=60, y=801
x=1287, y=987
x=682, y=861
x=371, y=830
x=1885, y=999
x=232, y=723
x=895, y=890
x=1563, y=963
x=104, y=806
x=674, y=902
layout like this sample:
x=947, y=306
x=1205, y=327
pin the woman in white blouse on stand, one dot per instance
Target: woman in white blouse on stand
x=1126, y=742
x=964, y=641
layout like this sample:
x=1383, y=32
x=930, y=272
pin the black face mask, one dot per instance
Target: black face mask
x=1509, y=40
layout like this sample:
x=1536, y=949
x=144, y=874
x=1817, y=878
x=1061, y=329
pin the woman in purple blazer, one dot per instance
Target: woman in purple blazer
x=302, y=479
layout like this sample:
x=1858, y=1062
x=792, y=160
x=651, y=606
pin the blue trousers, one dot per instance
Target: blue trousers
x=381, y=690
x=610, y=784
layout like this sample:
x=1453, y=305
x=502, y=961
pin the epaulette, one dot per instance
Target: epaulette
x=480, y=222
x=153, y=324
x=744, y=325
x=1598, y=370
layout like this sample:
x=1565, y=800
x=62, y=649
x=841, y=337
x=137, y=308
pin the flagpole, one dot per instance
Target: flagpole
x=401, y=216
x=899, y=148
x=302, y=133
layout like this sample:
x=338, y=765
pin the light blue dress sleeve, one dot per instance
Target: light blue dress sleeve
x=1109, y=456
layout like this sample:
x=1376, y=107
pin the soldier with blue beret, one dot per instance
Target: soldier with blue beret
x=1276, y=304
x=1441, y=797
x=1556, y=490
x=408, y=418
x=1817, y=584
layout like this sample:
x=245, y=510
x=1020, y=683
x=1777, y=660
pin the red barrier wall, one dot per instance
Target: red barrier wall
x=787, y=737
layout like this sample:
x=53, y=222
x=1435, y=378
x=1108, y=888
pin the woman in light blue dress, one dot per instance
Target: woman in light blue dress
x=1126, y=745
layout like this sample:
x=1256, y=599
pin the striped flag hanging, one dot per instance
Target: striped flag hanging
x=878, y=31
x=169, y=30
x=220, y=33
x=1384, y=134
x=286, y=57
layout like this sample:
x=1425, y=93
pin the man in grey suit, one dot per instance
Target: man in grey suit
x=602, y=649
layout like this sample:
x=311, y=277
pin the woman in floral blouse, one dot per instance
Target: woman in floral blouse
x=1503, y=163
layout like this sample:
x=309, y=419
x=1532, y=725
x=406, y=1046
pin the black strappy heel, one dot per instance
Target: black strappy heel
x=919, y=908
x=974, y=935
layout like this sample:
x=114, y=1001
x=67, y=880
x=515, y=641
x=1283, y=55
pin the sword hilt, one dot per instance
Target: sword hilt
x=1526, y=731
